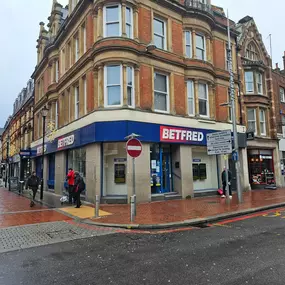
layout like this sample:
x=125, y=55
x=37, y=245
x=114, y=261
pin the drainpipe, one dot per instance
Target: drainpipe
x=238, y=74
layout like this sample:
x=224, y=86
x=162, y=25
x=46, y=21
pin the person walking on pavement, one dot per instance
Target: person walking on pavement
x=224, y=181
x=33, y=183
x=70, y=180
x=79, y=186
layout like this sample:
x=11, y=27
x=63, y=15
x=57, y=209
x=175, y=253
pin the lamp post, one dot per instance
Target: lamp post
x=44, y=113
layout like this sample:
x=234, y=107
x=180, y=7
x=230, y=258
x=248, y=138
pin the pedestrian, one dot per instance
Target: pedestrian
x=79, y=187
x=70, y=180
x=33, y=183
x=224, y=181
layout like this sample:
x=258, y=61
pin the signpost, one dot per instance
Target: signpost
x=221, y=143
x=134, y=149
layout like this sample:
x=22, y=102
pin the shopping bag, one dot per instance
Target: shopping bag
x=220, y=191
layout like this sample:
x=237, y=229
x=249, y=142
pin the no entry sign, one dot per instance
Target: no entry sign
x=134, y=148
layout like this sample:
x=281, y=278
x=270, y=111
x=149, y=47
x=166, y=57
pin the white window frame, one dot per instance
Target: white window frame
x=77, y=49
x=105, y=23
x=258, y=76
x=207, y=100
x=85, y=94
x=188, y=45
x=76, y=102
x=190, y=96
x=255, y=122
x=282, y=94
x=106, y=87
x=246, y=90
x=262, y=132
x=166, y=93
x=131, y=86
x=131, y=25
x=164, y=37
x=205, y=48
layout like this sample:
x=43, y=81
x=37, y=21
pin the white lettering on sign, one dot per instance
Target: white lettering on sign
x=179, y=135
x=67, y=141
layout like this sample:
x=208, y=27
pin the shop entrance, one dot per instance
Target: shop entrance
x=160, y=158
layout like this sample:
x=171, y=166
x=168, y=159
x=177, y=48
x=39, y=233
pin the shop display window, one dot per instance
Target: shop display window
x=77, y=160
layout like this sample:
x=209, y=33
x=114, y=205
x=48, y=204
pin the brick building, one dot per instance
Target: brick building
x=258, y=104
x=108, y=69
x=18, y=131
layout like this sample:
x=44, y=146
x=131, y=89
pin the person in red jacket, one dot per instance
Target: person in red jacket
x=70, y=180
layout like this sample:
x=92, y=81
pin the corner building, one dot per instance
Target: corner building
x=108, y=69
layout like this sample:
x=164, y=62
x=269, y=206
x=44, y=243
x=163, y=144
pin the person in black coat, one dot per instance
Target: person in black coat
x=224, y=178
x=79, y=186
x=33, y=183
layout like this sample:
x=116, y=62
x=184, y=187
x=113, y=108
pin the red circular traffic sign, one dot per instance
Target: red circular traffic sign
x=134, y=148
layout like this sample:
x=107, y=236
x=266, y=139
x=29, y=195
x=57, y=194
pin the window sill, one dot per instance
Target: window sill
x=161, y=111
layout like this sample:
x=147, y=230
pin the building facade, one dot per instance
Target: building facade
x=108, y=69
x=18, y=134
x=258, y=104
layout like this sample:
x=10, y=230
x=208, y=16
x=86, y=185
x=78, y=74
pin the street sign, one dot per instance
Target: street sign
x=219, y=143
x=235, y=156
x=134, y=148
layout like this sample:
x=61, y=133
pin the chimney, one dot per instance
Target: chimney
x=284, y=61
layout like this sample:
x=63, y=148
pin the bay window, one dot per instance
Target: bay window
x=188, y=44
x=262, y=122
x=161, y=92
x=113, y=85
x=129, y=22
x=203, y=99
x=200, y=47
x=190, y=98
x=159, y=28
x=249, y=83
x=259, y=81
x=130, y=87
x=251, y=120
x=112, y=21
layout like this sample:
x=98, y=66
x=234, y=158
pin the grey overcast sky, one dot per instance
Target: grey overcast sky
x=20, y=27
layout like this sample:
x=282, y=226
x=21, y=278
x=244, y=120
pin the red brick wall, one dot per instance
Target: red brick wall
x=144, y=25
x=89, y=31
x=177, y=38
x=219, y=54
x=90, y=91
x=179, y=95
x=146, y=87
x=221, y=97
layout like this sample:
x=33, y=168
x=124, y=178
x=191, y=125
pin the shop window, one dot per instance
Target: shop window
x=188, y=44
x=113, y=85
x=249, y=83
x=112, y=21
x=203, y=99
x=200, y=47
x=76, y=159
x=159, y=28
x=199, y=171
x=191, y=97
x=161, y=89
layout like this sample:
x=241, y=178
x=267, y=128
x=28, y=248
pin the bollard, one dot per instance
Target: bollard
x=97, y=206
x=133, y=207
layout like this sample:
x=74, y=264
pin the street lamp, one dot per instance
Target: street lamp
x=44, y=113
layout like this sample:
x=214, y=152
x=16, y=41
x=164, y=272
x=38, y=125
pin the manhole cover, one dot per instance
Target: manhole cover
x=61, y=234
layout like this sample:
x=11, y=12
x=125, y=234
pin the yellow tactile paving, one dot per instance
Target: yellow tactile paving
x=83, y=212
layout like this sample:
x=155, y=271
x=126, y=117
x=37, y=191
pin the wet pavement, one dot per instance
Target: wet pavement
x=181, y=210
x=234, y=252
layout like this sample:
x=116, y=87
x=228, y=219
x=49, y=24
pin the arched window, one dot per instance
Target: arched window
x=251, y=52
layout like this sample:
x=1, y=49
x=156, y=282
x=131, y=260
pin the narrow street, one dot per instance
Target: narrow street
x=245, y=250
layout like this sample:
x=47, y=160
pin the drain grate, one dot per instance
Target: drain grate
x=61, y=234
